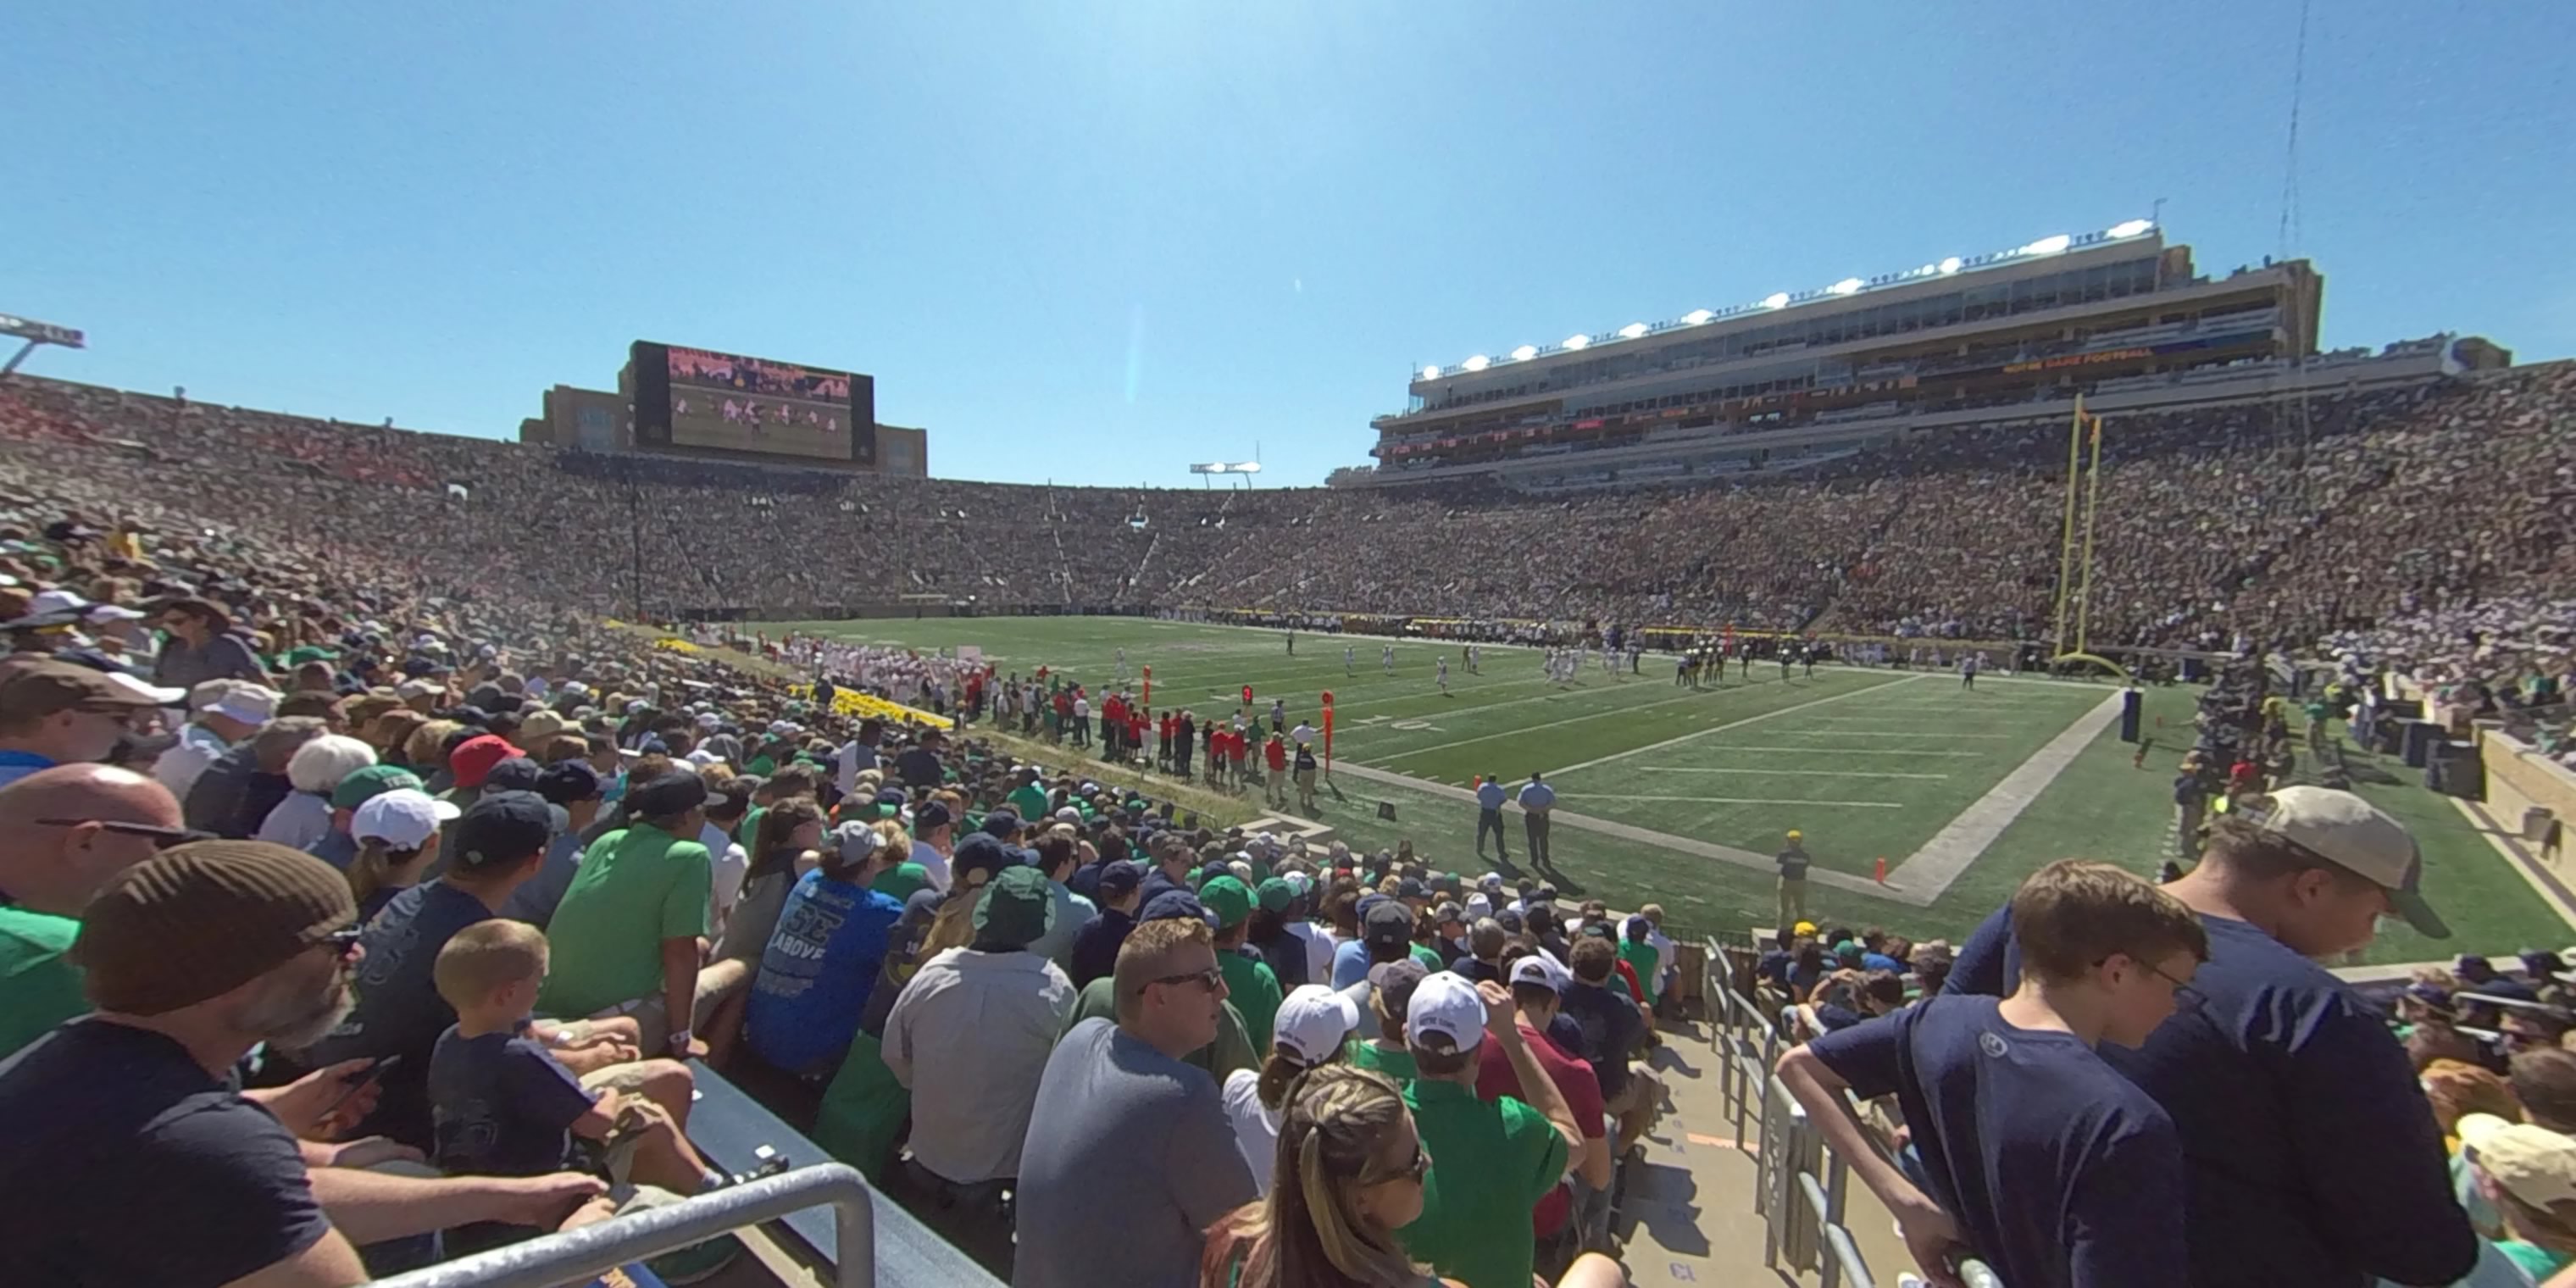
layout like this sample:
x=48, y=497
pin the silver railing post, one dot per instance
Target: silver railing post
x=576, y=1255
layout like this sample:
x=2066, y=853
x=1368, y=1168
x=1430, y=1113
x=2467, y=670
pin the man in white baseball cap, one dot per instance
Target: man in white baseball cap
x=226, y=711
x=1312, y=1024
x=2529, y=1174
x=1537, y=984
x=2284, y=1084
x=1493, y=1160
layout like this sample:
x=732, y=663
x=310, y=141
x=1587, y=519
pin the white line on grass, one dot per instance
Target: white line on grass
x=1930, y=870
x=1738, y=724
x=1896, y=733
x=1781, y=773
x=1623, y=709
x=1854, y=751
x=1738, y=800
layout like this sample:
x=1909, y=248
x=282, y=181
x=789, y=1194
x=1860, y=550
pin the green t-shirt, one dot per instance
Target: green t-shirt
x=635, y=888
x=750, y=829
x=1394, y=1062
x=1491, y=1161
x=1429, y=957
x=39, y=988
x=2536, y=1261
x=1028, y=802
x=1643, y=959
x=898, y=882
x=1253, y=989
x=1231, y=1050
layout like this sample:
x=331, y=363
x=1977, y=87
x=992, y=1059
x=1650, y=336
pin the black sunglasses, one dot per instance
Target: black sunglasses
x=162, y=837
x=1209, y=978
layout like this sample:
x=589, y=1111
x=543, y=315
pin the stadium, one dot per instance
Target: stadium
x=1966, y=725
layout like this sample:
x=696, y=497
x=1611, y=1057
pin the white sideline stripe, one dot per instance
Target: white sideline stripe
x=1895, y=733
x=1855, y=751
x=1740, y=800
x=1783, y=773
x=1622, y=709
x=1746, y=859
x=1930, y=870
x=1738, y=724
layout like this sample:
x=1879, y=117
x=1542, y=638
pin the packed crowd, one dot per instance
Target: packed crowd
x=457, y=889
x=2274, y=521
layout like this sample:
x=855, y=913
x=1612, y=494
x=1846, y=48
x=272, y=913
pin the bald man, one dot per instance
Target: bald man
x=68, y=829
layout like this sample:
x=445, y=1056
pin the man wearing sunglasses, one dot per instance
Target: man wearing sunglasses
x=70, y=829
x=58, y=713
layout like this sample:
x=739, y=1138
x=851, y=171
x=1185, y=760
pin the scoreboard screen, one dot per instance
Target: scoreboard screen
x=726, y=402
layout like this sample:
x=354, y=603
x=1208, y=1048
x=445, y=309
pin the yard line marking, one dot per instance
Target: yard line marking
x=1852, y=751
x=1738, y=800
x=1897, y=733
x=1566, y=818
x=1784, y=773
x=1621, y=709
x=1930, y=870
x=1738, y=724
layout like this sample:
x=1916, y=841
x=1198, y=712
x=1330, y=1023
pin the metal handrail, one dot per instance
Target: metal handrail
x=1841, y=1256
x=576, y=1255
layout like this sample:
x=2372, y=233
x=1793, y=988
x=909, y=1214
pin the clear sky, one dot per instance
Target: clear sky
x=1094, y=242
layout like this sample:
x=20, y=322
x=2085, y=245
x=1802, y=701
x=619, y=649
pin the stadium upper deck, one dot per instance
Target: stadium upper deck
x=2118, y=308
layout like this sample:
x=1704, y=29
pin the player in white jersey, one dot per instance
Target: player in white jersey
x=1386, y=658
x=1475, y=659
x=1122, y=661
x=1444, y=673
x=1349, y=656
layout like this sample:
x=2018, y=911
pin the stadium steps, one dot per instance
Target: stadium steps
x=1685, y=1214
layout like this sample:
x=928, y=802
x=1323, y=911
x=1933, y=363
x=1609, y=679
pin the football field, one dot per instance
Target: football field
x=1680, y=796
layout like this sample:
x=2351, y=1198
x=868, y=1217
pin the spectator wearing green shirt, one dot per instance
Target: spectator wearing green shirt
x=1250, y=983
x=1028, y=800
x=70, y=828
x=1639, y=952
x=1491, y=1161
x=626, y=937
x=1390, y=991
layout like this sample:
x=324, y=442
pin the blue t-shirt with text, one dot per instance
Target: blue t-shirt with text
x=817, y=972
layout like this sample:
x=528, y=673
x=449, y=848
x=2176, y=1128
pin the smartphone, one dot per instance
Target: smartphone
x=360, y=1082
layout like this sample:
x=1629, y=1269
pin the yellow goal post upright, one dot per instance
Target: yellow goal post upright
x=2075, y=547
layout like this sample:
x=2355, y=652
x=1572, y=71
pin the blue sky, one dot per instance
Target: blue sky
x=1095, y=242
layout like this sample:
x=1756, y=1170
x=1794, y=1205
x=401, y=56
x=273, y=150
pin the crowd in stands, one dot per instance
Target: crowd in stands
x=457, y=889
x=2269, y=521
x=323, y=777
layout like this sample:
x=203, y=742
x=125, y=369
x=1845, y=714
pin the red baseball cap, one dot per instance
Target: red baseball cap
x=473, y=758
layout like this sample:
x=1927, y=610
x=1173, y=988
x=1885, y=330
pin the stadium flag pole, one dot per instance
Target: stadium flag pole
x=2066, y=534
x=2092, y=511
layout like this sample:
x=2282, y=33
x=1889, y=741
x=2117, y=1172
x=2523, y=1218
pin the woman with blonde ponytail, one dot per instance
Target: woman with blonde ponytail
x=1348, y=1176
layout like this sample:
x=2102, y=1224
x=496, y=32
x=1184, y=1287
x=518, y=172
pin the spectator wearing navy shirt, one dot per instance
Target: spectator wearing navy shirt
x=2311, y=1154
x=2038, y=1157
x=1095, y=946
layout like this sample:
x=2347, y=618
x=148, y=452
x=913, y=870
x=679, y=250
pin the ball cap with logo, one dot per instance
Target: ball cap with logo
x=1447, y=1007
x=2351, y=833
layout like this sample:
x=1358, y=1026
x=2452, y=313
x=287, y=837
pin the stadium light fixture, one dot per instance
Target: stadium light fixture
x=1477, y=363
x=1697, y=317
x=1577, y=341
x=2048, y=245
x=1525, y=353
x=1847, y=286
x=1632, y=330
x=1952, y=264
x=1776, y=300
x=1431, y=373
x=2130, y=229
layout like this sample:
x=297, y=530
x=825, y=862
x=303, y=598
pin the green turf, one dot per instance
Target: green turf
x=1867, y=763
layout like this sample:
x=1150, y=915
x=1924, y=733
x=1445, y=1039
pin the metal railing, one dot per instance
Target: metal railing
x=1803, y=1211
x=577, y=1255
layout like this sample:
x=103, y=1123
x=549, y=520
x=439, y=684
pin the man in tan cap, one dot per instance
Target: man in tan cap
x=2310, y=1153
x=57, y=713
x=132, y=1159
x=71, y=829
